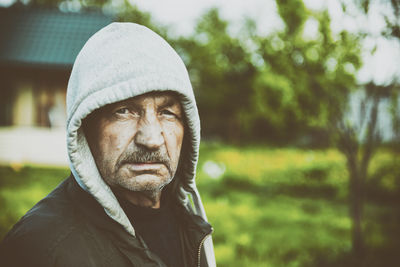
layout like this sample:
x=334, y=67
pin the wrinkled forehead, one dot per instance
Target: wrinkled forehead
x=165, y=98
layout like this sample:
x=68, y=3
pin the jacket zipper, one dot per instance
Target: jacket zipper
x=201, y=244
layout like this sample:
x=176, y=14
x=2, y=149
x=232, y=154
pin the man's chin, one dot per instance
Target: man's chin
x=145, y=182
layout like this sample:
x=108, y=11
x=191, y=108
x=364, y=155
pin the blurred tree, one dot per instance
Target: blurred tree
x=222, y=75
x=272, y=88
x=390, y=11
x=307, y=78
x=358, y=141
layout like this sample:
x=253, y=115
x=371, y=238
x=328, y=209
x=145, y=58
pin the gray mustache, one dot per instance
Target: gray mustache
x=140, y=155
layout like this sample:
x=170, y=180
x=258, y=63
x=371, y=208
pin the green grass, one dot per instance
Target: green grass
x=21, y=187
x=271, y=207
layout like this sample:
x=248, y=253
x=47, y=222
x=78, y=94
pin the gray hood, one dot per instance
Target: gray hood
x=121, y=61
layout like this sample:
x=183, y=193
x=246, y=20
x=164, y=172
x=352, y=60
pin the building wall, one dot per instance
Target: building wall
x=40, y=105
x=24, y=112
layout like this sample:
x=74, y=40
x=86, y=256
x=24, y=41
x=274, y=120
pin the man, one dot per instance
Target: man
x=133, y=138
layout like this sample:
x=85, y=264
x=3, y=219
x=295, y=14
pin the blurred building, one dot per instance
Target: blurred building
x=38, y=47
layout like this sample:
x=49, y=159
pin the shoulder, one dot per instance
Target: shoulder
x=53, y=223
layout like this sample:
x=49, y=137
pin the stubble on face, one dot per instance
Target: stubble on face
x=145, y=180
x=147, y=184
x=133, y=166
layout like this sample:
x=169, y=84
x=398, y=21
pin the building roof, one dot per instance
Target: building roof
x=44, y=37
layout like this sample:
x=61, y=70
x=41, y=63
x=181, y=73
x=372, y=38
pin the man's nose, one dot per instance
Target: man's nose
x=149, y=134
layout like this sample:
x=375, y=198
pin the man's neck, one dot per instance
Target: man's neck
x=148, y=199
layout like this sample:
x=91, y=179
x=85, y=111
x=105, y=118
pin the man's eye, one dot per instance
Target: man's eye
x=168, y=113
x=122, y=111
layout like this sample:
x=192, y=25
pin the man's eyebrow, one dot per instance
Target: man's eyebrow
x=127, y=103
x=169, y=102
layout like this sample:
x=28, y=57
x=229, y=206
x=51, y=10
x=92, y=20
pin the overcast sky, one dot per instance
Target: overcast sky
x=181, y=16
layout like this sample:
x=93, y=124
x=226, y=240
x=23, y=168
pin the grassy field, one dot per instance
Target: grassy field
x=268, y=206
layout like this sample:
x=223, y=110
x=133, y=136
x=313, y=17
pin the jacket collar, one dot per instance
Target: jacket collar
x=193, y=231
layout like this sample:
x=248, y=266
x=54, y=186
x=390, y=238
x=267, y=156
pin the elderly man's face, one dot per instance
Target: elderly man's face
x=136, y=143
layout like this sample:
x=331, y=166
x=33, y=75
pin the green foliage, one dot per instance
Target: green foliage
x=221, y=74
x=272, y=88
x=271, y=207
x=304, y=83
x=293, y=14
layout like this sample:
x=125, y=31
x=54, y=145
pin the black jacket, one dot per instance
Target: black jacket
x=69, y=228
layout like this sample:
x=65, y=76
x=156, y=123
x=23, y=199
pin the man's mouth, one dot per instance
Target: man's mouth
x=145, y=166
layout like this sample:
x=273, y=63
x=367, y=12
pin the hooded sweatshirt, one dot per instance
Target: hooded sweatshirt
x=121, y=61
